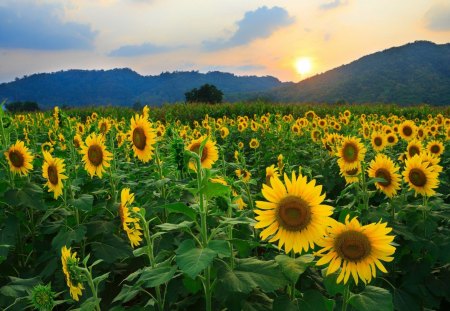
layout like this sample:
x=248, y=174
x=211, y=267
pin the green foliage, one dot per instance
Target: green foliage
x=207, y=93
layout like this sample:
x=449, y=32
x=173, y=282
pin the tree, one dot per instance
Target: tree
x=26, y=106
x=207, y=93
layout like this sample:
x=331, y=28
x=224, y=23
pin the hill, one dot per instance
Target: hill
x=124, y=87
x=414, y=73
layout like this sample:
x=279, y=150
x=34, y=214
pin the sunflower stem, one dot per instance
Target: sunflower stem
x=88, y=274
x=345, y=297
x=292, y=292
x=161, y=176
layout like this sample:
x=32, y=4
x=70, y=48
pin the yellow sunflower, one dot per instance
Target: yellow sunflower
x=244, y=174
x=435, y=147
x=357, y=249
x=414, y=147
x=104, y=126
x=351, y=153
x=407, y=130
x=19, y=158
x=95, y=155
x=130, y=224
x=271, y=171
x=421, y=176
x=391, y=139
x=209, y=153
x=378, y=141
x=73, y=277
x=293, y=213
x=142, y=138
x=52, y=170
x=254, y=143
x=351, y=175
x=383, y=167
x=224, y=132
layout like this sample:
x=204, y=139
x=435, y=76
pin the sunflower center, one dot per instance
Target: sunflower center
x=413, y=150
x=407, y=130
x=435, y=149
x=378, y=141
x=352, y=172
x=16, y=158
x=391, y=139
x=352, y=245
x=139, y=138
x=103, y=128
x=196, y=148
x=95, y=155
x=293, y=213
x=350, y=152
x=52, y=172
x=383, y=173
x=417, y=177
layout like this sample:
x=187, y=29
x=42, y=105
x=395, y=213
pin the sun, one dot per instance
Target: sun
x=303, y=65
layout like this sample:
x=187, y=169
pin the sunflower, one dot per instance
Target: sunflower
x=47, y=146
x=351, y=175
x=254, y=143
x=271, y=171
x=244, y=174
x=52, y=170
x=378, y=141
x=77, y=141
x=104, y=126
x=293, y=213
x=95, y=155
x=237, y=199
x=19, y=158
x=421, y=175
x=73, y=277
x=351, y=153
x=142, y=138
x=358, y=249
x=224, y=132
x=407, y=130
x=209, y=153
x=414, y=147
x=383, y=167
x=435, y=147
x=130, y=224
x=391, y=139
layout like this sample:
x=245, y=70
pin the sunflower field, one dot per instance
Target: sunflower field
x=228, y=207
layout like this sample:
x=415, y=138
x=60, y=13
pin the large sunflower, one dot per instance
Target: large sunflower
x=73, y=277
x=293, y=213
x=357, y=249
x=407, y=130
x=130, y=224
x=421, y=176
x=95, y=155
x=435, y=147
x=414, y=147
x=209, y=153
x=19, y=158
x=351, y=153
x=52, y=170
x=383, y=167
x=142, y=137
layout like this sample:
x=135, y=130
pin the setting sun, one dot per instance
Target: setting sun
x=303, y=65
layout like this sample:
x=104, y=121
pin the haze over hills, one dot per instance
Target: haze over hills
x=414, y=73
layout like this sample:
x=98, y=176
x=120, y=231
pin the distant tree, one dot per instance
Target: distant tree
x=207, y=93
x=25, y=106
x=137, y=106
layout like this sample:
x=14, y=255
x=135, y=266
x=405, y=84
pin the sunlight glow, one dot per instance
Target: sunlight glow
x=303, y=65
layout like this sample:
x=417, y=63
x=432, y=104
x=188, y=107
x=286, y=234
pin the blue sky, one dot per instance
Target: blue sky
x=244, y=37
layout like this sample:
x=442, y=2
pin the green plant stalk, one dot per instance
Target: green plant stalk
x=345, y=297
x=88, y=275
x=230, y=237
x=292, y=287
x=112, y=170
x=161, y=176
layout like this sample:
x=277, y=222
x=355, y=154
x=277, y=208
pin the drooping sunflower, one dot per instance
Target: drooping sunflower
x=435, y=147
x=224, y=132
x=254, y=143
x=244, y=174
x=407, y=130
x=383, y=167
x=351, y=153
x=52, y=170
x=209, y=153
x=19, y=158
x=73, y=276
x=95, y=155
x=378, y=141
x=421, y=176
x=293, y=214
x=414, y=147
x=271, y=171
x=351, y=175
x=142, y=138
x=130, y=224
x=357, y=249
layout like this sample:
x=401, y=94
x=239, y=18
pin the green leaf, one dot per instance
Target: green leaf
x=8, y=234
x=330, y=283
x=237, y=221
x=244, y=247
x=100, y=278
x=372, y=299
x=293, y=268
x=250, y=273
x=65, y=238
x=313, y=300
x=111, y=248
x=212, y=189
x=192, y=286
x=170, y=227
x=153, y=277
x=181, y=208
x=284, y=303
x=84, y=202
x=221, y=247
x=193, y=260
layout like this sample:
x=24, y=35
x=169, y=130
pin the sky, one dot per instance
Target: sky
x=244, y=37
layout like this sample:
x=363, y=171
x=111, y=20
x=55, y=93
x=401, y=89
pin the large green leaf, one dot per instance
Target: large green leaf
x=152, y=277
x=250, y=273
x=8, y=235
x=330, y=283
x=111, y=248
x=221, y=247
x=170, y=227
x=212, y=189
x=372, y=299
x=65, y=238
x=293, y=267
x=193, y=260
x=83, y=202
x=182, y=208
x=313, y=300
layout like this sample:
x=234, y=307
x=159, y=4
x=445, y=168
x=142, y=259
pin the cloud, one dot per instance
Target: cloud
x=138, y=50
x=438, y=17
x=257, y=24
x=332, y=5
x=27, y=25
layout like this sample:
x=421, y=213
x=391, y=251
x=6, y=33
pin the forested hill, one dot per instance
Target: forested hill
x=414, y=73
x=125, y=87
